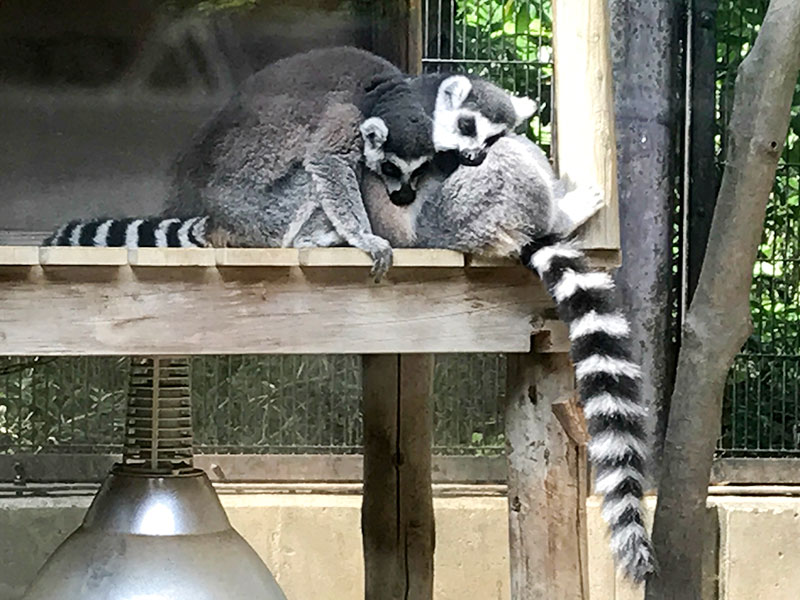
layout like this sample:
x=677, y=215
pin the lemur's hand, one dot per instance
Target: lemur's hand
x=380, y=251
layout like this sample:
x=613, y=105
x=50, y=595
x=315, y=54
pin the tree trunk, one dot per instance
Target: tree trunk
x=718, y=320
x=643, y=52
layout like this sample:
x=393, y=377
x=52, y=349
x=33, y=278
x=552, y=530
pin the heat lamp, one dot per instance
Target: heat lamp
x=156, y=529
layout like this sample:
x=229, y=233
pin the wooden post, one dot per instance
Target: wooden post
x=547, y=480
x=397, y=512
x=586, y=142
x=397, y=32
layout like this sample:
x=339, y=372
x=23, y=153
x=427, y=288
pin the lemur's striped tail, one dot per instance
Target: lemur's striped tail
x=609, y=384
x=154, y=232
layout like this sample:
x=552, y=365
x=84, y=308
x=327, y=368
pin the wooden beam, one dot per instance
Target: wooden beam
x=584, y=100
x=123, y=310
x=547, y=481
x=251, y=468
x=397, y=514
x=260, y=257
x=761, y=471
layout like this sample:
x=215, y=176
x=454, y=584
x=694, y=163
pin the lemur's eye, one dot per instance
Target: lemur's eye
x=466, y=126
x=491, y=140
x=391, y=170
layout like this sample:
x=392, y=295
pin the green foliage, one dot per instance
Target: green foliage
x=761, y=401
x=509, y=42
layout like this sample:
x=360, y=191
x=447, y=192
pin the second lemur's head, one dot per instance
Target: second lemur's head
x=470, y=114
x=397, y=136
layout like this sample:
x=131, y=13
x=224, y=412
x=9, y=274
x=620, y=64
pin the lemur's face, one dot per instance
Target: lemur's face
x=469, y=120
x=401, y=176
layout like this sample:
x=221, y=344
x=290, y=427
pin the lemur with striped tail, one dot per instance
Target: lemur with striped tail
x=513, y=205
x=256, y=170
x=310, y=114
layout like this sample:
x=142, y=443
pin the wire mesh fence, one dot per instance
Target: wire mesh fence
x=305, y=404
x=242, y=404
x=761, y=400
x=509, y=42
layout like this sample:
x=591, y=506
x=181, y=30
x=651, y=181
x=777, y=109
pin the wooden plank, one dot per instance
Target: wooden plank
x=79, y=256
x=415, y=437
x=255, y=468
x=84, y=311
x=257, y=257
x=397, y=513
x=425, y=257
x=570, y=416
x=404, y=257
x=172, y=257
x=383, y=565
x=553, y=339
x=754, y=490
x=334, y=257
x=586, y=141
x=546, y=488
x=262, y=257
x=770, y=471
x=598, y=258
x=19, y=255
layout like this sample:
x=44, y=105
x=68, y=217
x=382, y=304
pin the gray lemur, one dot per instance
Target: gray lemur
x=310, y=111
x=243, y=180
x=317, y=114
x=513, y=205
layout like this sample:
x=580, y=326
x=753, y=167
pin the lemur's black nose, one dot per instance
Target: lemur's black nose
x=402, y=197
x=472, y=158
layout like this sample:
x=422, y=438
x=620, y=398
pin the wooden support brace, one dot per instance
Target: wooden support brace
x=547, y=480
x=397, y=513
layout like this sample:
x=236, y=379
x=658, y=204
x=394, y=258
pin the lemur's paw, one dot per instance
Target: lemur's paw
x=381, y=253
x=582, y=204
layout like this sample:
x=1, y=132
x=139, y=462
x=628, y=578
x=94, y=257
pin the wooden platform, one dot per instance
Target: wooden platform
x=112, y=301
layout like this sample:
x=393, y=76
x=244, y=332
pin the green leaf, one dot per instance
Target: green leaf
x=508, y=11
x=523, y=18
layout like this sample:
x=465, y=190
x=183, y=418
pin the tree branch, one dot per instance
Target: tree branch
x=718, y=320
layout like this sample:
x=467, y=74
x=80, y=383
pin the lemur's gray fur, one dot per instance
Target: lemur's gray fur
x=313, y=111
x=513, y=205
x=281, y=162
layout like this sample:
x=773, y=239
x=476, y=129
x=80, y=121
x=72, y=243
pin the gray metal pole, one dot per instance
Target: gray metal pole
x=644, y=51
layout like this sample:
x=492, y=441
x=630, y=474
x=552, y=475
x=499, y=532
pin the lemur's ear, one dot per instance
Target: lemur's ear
x=452, y=92
x=524, y=107
x=375, y=133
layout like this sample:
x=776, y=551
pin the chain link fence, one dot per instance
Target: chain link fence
x=242, y=404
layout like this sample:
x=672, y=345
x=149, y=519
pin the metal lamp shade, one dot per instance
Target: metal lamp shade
x=156, y=529
x=155, y=538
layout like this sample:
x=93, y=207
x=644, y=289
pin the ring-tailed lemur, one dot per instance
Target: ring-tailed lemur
x=513, y=205
x=225, y=178
x=313, y=111
x=321, y=112
x=470, y=113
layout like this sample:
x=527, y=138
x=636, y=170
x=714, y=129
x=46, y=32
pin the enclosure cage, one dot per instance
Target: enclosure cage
x=99, y=102
x=84, y=91
x=761, y=407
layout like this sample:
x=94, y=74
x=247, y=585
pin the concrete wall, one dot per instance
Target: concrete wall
x=312, y=544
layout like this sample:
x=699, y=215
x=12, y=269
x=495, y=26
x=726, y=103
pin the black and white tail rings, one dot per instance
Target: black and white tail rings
x=609, y=384
x=133, y=233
